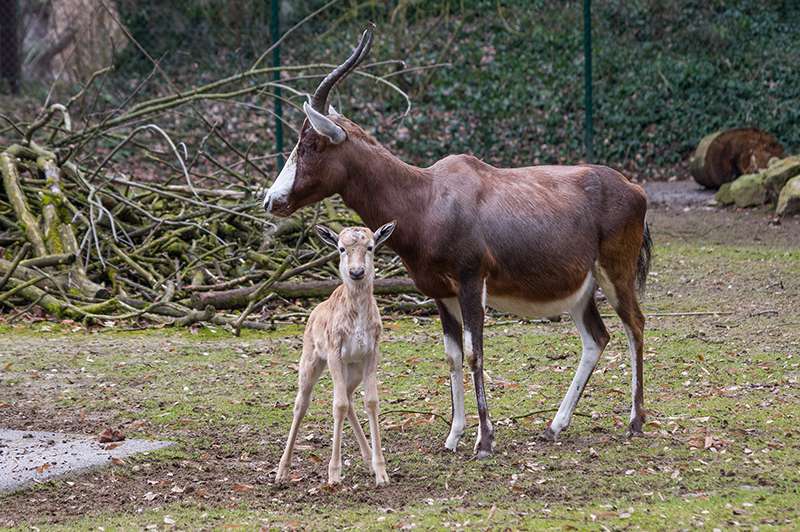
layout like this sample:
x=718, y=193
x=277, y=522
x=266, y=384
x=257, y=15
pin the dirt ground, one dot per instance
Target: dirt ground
x=722, y=387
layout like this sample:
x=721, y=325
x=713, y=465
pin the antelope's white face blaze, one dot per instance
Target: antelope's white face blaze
x=280, y=189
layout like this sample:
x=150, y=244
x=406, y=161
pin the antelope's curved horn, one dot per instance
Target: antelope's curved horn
x=320, y=98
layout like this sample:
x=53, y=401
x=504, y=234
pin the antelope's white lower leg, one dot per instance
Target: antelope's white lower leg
x=594, y=338
x=455, y=359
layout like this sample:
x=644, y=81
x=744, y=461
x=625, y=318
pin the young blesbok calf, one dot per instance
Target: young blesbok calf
x=343, y=333
x=534, y=241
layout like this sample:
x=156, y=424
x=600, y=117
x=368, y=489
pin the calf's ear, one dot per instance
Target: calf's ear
x=328, y=236
x=384, y=232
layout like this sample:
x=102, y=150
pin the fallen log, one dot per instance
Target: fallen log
x=16, y=197
x=239, y=297
x=49, y=260
x=723, y=156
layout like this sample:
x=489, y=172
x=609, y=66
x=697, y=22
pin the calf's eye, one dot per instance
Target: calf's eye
x=341, y=250
x=369, y=248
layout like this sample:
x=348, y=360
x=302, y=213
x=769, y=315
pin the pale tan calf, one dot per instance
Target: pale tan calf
x=343, y=333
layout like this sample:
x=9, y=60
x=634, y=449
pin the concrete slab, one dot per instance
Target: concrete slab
x=685, y=193
x=28, y=457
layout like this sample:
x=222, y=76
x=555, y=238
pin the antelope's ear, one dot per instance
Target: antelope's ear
x=324, y=125
x=384, y=232
x=328, y=236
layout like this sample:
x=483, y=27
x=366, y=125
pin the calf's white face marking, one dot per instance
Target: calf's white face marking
x=282, y=186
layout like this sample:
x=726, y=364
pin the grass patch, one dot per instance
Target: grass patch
x=721, y=448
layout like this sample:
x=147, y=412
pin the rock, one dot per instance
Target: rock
x=723, y=195
x=789, y=200
x=776, y=176
x=749, y=190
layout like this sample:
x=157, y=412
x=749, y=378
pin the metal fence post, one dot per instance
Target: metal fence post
x=276, y=76
x=587, y=78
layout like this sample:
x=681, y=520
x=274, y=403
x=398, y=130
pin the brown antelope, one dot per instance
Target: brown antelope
x=343, y=333
x=533, y=241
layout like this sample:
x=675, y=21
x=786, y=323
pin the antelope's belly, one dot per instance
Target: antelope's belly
x=541, y=309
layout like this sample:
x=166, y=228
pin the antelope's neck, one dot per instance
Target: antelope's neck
x=380, y=188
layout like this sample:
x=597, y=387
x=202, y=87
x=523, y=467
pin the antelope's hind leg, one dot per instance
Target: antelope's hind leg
x=310, y=371
x=594, y=338
x=622, y=296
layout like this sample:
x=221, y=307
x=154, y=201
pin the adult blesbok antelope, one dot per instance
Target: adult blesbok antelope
x=343, y=333
x=533, y=241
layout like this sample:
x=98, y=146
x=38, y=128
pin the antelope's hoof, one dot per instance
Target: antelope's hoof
x=548, y=435
x=636, y=427
x=482, y=454
x=451, y=444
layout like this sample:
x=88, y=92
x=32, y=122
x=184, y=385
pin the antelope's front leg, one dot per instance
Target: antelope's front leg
x=341, y=404
x=450, y=316
x=371, y=404
x=471, y=299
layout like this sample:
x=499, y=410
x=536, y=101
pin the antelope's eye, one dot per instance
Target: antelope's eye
x=341, y=250
x=369, y=248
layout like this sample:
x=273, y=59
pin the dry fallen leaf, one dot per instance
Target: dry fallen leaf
x=42, y=468
x=111, y=435
x=241, y=488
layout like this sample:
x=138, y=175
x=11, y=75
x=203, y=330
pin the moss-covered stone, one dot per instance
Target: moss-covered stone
x=789, y=199
x=723, y=195
x=749, y=190
x=777, y=175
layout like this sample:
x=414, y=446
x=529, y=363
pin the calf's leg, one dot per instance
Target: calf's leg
x=354, y=379
x=341, y=404
x=310, y=370
x=372, y=407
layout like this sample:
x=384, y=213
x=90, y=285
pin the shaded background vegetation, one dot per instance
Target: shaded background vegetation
x=511, y=92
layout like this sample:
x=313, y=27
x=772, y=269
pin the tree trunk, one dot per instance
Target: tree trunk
x=10, y=66
x=725, y=155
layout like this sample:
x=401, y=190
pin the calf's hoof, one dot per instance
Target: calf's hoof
x=381, y=478
x=282, y=476
x=334, y=476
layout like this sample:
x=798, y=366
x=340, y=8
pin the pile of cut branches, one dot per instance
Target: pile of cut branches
x=86, y=235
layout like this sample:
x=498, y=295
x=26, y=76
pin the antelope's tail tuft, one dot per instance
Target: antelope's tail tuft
x=645, y=255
